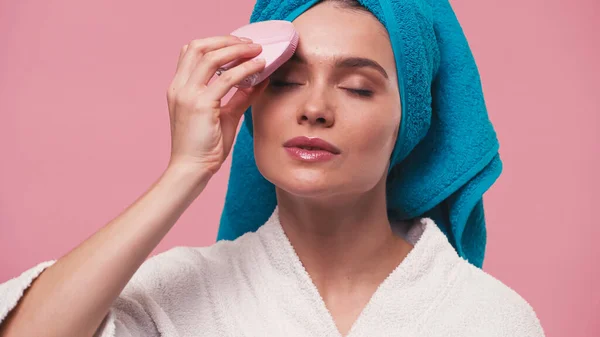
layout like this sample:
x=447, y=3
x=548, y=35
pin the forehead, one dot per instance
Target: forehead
x=328, y=31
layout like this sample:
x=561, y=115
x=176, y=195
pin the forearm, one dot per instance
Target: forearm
x=72, y=297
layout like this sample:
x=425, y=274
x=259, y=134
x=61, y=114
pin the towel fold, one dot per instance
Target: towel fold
x=446, y=155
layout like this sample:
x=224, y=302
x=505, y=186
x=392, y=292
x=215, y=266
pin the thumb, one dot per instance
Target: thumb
x=242, y=99
x=232, y=112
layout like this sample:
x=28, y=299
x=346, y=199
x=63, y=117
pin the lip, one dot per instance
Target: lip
x=310, y=149
x=313, y=142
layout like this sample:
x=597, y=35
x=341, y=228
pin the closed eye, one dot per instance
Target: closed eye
x=360, y=92
x=285, y=85
x=281, y=84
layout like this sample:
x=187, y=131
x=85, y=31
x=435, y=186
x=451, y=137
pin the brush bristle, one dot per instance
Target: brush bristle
x=294, y=42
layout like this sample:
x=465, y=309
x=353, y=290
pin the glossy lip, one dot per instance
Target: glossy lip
x=317, y=144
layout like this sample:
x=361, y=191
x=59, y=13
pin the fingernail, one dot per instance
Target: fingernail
x=254, y=45
x=258, y=60
x=245, y=39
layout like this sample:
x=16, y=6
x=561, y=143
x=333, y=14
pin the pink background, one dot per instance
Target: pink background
x=84, y=131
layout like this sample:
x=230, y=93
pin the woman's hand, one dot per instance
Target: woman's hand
x=202, y=135
x=203, y=131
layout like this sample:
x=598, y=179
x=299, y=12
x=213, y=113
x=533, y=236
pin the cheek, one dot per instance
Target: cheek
x=266, y=116
x=267, y=136
x=260, y=134
x=264, y=120
x=372, y=138
x=374, y=146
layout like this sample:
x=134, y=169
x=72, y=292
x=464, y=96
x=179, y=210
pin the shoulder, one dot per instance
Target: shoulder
x=191, y=269
x=169, y=286
x=480, y=304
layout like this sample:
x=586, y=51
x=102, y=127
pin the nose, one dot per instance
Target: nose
x=317, y=109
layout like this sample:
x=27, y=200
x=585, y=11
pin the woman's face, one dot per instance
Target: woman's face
x=341, y=87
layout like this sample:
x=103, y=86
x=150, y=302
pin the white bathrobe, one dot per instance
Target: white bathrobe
x=257, y=286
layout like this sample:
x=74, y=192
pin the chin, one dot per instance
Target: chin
x=306, y=182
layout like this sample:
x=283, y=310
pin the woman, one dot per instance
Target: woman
x=327, y=262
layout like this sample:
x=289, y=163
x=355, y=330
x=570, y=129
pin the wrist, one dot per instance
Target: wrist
x=195, y=175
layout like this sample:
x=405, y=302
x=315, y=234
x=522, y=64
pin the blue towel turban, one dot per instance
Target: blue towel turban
x=446, y=155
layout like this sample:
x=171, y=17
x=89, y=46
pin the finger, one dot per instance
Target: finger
x=233, y=111
x=172, y=89
x=242, y=99
x=181, y=53
x=196, y=49
x=212, y=61
x=221, y=86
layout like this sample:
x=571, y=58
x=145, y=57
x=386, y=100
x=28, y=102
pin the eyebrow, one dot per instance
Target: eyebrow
x=348, y=62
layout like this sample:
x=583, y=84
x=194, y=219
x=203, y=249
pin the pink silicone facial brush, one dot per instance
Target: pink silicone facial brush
x=278, y=39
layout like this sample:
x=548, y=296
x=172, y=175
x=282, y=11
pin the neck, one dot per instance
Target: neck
x=344, y=240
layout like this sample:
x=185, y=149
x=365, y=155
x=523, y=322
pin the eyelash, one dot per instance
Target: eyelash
x=281, y=84
x=361, y=92
x=358, y=92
